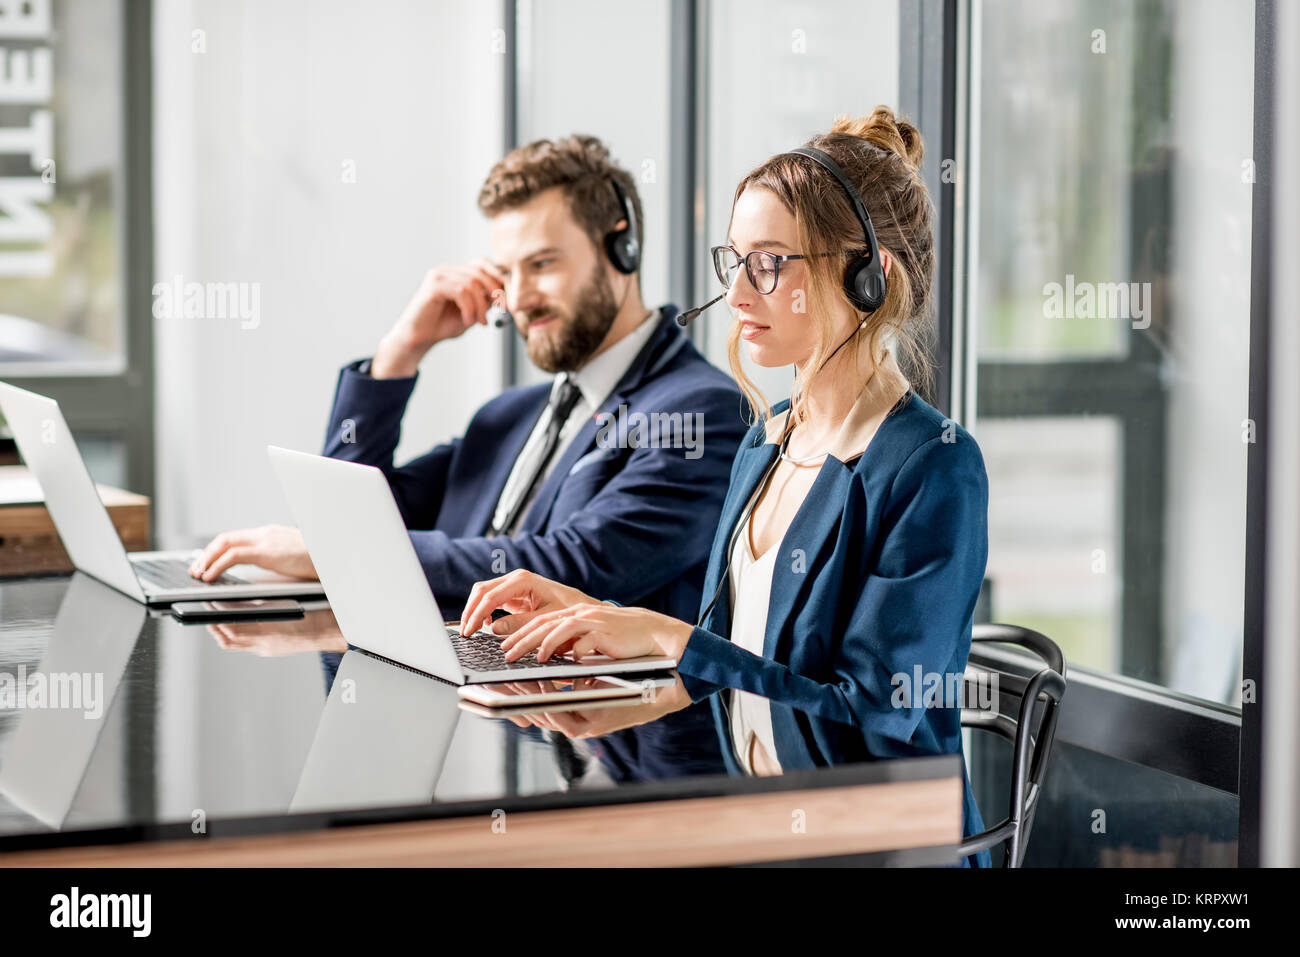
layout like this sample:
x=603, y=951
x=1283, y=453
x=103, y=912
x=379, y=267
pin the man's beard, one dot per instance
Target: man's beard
x=567, y=344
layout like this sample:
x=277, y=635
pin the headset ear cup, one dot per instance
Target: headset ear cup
x=877, y=286
x=621, y=248
x=864, y=286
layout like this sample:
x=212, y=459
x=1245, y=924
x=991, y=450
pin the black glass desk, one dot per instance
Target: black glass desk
x=122, y=728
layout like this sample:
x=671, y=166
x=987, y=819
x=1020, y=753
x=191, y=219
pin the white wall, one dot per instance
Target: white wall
x=250, y=141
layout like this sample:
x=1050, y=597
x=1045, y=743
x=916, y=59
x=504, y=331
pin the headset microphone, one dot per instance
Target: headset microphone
x=685, y=318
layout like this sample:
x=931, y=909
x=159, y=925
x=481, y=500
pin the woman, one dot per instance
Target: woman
x=853, y=540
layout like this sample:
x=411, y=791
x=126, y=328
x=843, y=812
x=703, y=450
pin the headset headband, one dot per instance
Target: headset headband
x=864, y=282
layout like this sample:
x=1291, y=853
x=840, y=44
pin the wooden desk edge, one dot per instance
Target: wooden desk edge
x=728, y=829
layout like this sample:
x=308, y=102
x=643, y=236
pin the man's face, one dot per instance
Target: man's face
x=557, y=282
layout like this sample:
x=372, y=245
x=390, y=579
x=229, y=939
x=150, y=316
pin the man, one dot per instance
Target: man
x=610, y=479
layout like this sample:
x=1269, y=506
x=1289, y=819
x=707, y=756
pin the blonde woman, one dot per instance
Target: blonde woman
x=853, y=539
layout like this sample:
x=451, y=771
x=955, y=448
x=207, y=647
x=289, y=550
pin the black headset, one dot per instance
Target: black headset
x=864, y=278
x=864, y=284
x=623, y=246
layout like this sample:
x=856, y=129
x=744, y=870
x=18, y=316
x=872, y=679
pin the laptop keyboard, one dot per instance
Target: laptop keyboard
x=175, y=573
x=482, y=652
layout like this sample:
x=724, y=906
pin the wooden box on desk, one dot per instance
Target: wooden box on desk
x=29, y=544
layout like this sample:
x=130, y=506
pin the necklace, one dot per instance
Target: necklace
x=805, y=459
x=802, y=460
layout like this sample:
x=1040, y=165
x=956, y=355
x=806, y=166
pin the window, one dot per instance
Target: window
x=1109, y=291
x=76, y=216
x=60, y=183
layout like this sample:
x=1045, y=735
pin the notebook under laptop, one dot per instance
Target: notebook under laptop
x=157, y=578
x=377, y=587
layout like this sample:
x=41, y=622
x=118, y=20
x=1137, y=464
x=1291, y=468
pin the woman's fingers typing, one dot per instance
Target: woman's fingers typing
x=484, y=598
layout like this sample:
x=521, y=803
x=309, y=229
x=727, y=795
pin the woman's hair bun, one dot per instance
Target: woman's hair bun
x=882, y=129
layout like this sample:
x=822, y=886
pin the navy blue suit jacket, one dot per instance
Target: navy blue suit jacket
x=628, y=521
x=878, y=573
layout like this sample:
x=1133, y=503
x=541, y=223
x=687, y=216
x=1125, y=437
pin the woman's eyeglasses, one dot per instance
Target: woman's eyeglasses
x=762, y=268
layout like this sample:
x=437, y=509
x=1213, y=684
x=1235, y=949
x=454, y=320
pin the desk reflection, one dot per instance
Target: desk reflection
x=670, y=739
x=214, y=721
x=190, y=730
x=592, y=719
x=317, y=630
x=217, y=721
x=57, y=733
x=382, y=739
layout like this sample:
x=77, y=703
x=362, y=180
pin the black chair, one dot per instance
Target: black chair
x=1021, y=689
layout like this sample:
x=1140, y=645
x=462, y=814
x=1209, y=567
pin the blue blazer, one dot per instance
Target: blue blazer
x=878, y=574
x=632, y=523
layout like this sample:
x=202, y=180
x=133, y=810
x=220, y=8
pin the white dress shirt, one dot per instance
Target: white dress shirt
x=595, y=381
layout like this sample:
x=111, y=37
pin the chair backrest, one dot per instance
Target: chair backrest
x=1029, y=728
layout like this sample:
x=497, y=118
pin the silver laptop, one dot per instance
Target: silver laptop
x=377, y=587
x=157, y=578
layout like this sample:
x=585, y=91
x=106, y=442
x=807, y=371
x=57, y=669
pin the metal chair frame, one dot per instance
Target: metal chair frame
x=1030, y=751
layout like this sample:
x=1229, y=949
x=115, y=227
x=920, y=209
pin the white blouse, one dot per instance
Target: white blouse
x=751, y=587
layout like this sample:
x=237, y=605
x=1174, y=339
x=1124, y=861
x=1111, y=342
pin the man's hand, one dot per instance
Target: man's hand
x=450, y=300
x=277, y=548
x=317, y=630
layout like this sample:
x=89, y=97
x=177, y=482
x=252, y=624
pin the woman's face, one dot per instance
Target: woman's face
x=776, y=327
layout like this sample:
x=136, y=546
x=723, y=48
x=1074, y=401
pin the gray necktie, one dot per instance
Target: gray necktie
x=563, y=399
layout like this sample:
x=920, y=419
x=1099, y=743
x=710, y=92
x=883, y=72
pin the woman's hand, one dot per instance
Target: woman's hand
x=596, y=722
x=598, y=629
x=522, y=593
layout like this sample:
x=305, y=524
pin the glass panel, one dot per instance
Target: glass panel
x=1111, y=278
x=813, y=61
x=617, y=90
x=1072, y=213
x=60, y=173
x=1053, y=511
